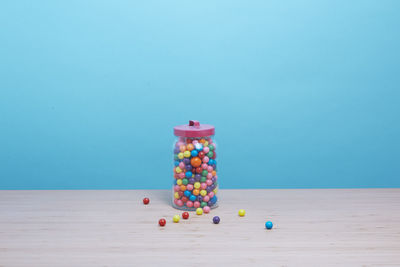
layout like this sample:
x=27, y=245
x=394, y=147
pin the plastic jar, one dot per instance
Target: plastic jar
x=195, y=182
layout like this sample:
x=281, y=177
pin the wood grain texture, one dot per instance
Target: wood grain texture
x=321, y=227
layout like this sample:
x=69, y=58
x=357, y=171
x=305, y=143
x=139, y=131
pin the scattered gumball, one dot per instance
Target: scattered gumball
x=162, y=222
x=176, y=218
x=185, y=215
x=216, y=220
x=242, y=213
x=199, y=211
x=146, y=200
x=269, y=225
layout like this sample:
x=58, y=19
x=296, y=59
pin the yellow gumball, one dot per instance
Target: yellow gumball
x=215, y=190
x=176, y=195
x=196, y=185
x=205, y=143
x=179, y=181
x=178, y=170
x=199, y=211
x=203, y=193
x=242, y=213
x=180, y=155
x=186, y=154
x=176, y=218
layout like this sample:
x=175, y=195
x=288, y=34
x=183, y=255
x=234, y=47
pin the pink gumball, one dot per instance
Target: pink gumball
x=189, y=204
x=195, y=142
x=175, y=201
x=176, y=188
x=206, y=149
x=206, y=209
x=203, y=186
x=206, y=159
x=204, y=166
x=211, y=194
x=181, y=165
x=179, y=203
x=196, y=204
x=206, y=198
x=209, y=175
x=189, y=187
x=210, y=168
x=182, y=175
x=208, y=182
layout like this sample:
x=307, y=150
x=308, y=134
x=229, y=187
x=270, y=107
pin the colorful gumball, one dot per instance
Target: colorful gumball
x=199, y=211
x=242, y=213
x=190, y=147
x=196, y=162
x=176, y=218
x=162, y=222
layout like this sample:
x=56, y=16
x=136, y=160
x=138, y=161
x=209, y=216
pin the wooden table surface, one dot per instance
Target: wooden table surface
x=319, y=227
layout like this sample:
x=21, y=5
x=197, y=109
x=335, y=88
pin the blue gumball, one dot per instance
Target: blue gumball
x=269, y=225
x=187, y=193
x=194, y=153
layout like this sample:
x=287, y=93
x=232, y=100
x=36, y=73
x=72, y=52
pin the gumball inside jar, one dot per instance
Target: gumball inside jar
x=195, y=183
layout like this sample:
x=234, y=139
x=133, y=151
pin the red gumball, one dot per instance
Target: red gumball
x=185, y=215
x=199, y=169
x=184, y=199
x=162, y=222
x=146, y=201
x=189, y=141
x=180, y=193
x=214, y=156
x=201, y=154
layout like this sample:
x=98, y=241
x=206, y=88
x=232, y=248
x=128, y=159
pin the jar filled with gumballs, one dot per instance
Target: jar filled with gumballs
x=195, y=183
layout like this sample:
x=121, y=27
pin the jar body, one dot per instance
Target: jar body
x=195, y=176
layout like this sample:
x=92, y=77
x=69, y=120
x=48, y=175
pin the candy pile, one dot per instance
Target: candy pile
x=195, y=173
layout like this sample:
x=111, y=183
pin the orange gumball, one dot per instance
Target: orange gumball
x=196, y=162
x=190, y=147
x=196, y=192
x=182, y=148
x=183, y=187
x=202, y=140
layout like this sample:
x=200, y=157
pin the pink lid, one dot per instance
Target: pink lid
x=194, y=129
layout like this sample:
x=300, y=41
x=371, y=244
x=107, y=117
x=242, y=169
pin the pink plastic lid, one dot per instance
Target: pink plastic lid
x=194, y=129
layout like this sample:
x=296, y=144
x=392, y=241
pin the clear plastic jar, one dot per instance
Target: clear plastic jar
x=195, y=176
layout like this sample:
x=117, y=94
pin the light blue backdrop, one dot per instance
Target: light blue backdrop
x=302, y=93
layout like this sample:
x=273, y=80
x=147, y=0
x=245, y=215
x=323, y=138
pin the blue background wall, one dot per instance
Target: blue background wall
x=302, y=93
